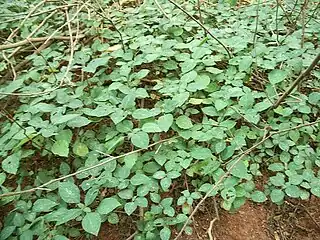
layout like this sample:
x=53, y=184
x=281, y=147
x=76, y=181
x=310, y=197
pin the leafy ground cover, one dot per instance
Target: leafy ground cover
x=142, y=113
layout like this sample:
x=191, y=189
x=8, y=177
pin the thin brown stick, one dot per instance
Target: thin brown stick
x=220, y=180
x=303, y=21
x=203, y=27
x=38, y=39
x=199, y=10
x=297, y=81
x=132, y=235
x=11, y=65
x=312, y=218
x=161, y=9
x=81, y=171
x=256, y=27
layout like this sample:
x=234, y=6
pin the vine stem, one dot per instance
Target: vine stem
x=266, y=136
x=42, y=187
x=203, y=27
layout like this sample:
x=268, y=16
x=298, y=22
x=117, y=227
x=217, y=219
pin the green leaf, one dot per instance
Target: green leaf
x=69, y=192
x=292, y=191
x=27, y=235
x=245, y=63
x=210, y=111
x=63, y=215
x=199, y=52
x=188, y=65
x=315, y=189
x=18, y=219
x=60, y=148
x=130, y=207
x=125, y=126
x=6, y=232
x=118, y=116
x=201, y=153
x=64, y=135
x=277, y=76
x=261, y=106
x=165, y=122
x=60, y=237
x=220, y=146
x=11, y=163
x=80, y=149
x=95, y=63
x=91, y=223
x=201, y=82
x=79, y=121
x=170, y=65
x=59, y=119
x=220, y=104
x=184, y=122
x=91, y=196
x=277, y=195
x=143, y=113
x=151, y=127
x=314, y=98
x=141, y=74
x=114, y=143
x=277, y=180
x=276, y=167
x=139, y=179
x=43, y=205
x=247, y=100
x=107, y=205
x=165, y=233
x=99, y=111
x=239, y=170
x=113, y=218
x=258, y=196
x=140, y=139
x=165, y=183
x=252, y=116
x=294, y=135
x=285, y=157
x=125, y=194
x=130, y=160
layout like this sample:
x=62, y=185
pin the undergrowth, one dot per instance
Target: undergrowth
x=138, y=110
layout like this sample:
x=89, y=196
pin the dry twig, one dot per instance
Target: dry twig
x=161, y=9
